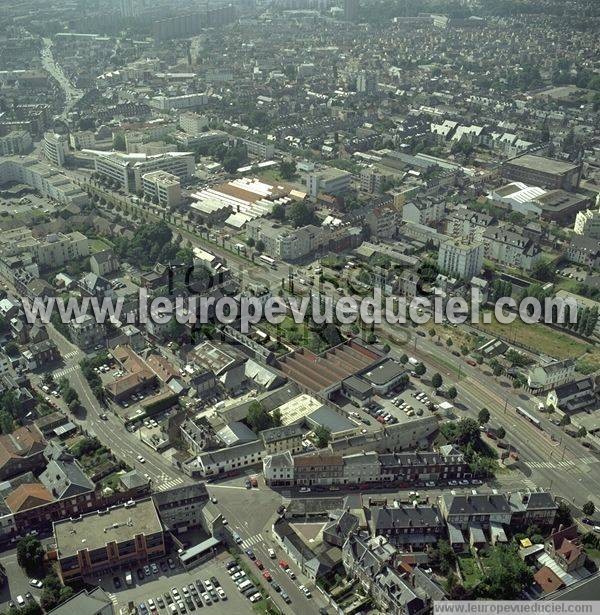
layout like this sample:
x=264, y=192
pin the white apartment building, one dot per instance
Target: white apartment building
x=40, y=176
x=54, y=250
x=185, y=101
x=329, y=180
x=163, y=187
x=16, y=142
x=511, y=248
x=587, y=223
x=545, y=377
x=284, y=243
x=83, y=139
x=460, y=258
x=55, y=148
x=424, y=210
x=257, y=149
x=193, y=123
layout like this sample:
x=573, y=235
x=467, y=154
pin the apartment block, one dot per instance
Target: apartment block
x=162, y=187
x=55, y=148
x=193, y=123
x=15, y=143
x=461, y=258
x=329, y=180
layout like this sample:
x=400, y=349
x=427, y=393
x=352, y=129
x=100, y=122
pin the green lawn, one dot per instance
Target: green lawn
x=469, y=570
x=539, y=338
x=297, y=335
x=97, y=245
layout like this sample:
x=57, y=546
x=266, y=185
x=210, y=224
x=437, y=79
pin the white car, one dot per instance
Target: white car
x=221, y=593
x=255, y=597
x=141, y=459
x=35, y=583
x=20, y=600
x=304, y=490
x=271, y=553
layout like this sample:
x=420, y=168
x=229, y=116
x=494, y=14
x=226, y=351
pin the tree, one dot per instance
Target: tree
x=250, y=242
x=589, y=508
x=506, y=574
x=437, y=381
x=501, y=433
x=582, y=432
x=403, y=381
x=278, y=211
x=30, y=553
x=323, y=436
x=420, y=369
x=287, y=169
x=432, y=332
x=484, y=416
x=258, y=418
x=260, y=246
x=449, y=342
x=301, y=214
x=563, y=515
x=404, y=359
x=119, y=141
x=451, y=393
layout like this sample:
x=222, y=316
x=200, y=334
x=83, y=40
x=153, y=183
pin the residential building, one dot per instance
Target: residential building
x=103, y=263
x=468, y=224
x=64, y=478
x=224, y=460
x=511, y=248
x=532, y=508
x=193, y=124
x=119, y=537
x=21, y=451
x=256, y=148
x=370, y=181
x=40, y=176
x=587, y=223
x=461, y=258
x=461, y=511
x=184, y=101
x=424, y=210
x=318, y=468
x=278, y=469
x=284, y=438
x=408, y=527
x=85, y=331
x=565, y=548
x=285, y=243
x=329, y=180
x=16, y=143
x=55, y=148
x=545, y=172
x=382, y=221
x=163, y=188
x=541, y=378
x=584, y=251
x=181, y=508
x=574, y=396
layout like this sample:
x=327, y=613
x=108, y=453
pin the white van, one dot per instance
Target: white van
x=245, y=585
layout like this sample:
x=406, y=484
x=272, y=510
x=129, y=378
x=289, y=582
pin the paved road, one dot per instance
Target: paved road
x=112, y=432
x=72, y=94
x=251, y=512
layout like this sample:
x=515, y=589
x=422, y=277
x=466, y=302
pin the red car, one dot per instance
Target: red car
x=283, y=564
x=259, y=564
x=471, y=362
x=267, y=576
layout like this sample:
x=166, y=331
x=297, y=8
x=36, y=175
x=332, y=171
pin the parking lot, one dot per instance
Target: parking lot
x=169, y=590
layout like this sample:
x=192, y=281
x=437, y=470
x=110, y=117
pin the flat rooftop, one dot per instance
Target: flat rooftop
x=95, y=530
x=540, y=163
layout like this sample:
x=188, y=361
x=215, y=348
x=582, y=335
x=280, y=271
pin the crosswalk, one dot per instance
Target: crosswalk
x=564, y=464
x=253, y=540
x=113, y=599
x=65, y=371
x=71, y=355
x=165, y=485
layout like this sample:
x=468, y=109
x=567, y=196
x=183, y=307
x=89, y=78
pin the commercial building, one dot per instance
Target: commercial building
x=101, y=542
x=128, y=169
x=55, y=148
x=545, y=172
x=461, y=258
x=162, y=187
x=43, y=178
x=283, y=242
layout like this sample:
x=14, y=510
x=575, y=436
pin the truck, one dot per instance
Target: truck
x=128, y=578
x=412, y=361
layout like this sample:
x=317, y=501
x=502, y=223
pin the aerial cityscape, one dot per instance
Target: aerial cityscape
x=299, y=307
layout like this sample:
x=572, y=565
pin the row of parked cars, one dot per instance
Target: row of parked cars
x=245, y=586
x=187, y=599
